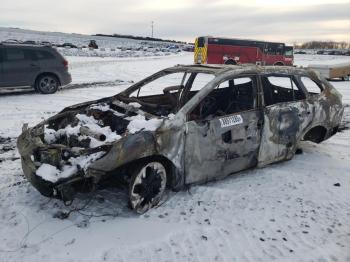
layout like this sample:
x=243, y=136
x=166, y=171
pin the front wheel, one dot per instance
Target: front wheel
x=47, y=84
x=147, y=186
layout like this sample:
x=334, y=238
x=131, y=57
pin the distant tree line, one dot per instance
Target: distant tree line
x=323, y=45
x=144, y=38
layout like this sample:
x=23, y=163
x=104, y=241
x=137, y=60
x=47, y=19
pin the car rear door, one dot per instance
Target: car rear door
x=19, y=68
x=219, y=145
x=286, y=115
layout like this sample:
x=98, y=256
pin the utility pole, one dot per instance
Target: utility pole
x=152, y=24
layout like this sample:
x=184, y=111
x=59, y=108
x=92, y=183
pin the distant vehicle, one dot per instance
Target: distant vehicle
x=29, y=42
x=46, y=43
x=300, y=52
x=32, y=66
x=180, y=126
x=214, y=50
x=93, y=44
x=173, y=47
x=333, y=71
x=14, y=41
x=188, y=48
x=68, y=45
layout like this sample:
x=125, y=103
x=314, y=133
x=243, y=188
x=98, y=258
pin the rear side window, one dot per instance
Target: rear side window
x=280, y=88
x=42, y=55
x=310, y=85
x=13, y=54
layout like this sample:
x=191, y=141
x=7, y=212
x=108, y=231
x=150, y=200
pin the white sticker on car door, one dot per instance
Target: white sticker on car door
x=231, y=120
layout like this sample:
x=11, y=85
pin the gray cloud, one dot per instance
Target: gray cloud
x=199, y=18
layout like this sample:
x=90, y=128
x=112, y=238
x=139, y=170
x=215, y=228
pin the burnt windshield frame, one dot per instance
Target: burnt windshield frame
x=127, y=92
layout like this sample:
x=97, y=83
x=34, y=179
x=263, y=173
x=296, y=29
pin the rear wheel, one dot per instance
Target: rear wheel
x=147, y=186
x=47, y=84
x=346, y=78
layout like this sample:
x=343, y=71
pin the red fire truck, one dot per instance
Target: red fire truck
x=214, y=50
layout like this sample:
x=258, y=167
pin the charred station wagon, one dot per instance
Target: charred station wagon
x=183, y=125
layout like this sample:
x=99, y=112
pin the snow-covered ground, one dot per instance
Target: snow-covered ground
x=108, y=46
x=292, y=211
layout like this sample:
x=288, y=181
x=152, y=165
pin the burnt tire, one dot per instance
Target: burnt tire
x=47, y=84
x=147, y=186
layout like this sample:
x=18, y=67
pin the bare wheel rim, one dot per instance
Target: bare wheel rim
x=148, y=187
x=48, y=84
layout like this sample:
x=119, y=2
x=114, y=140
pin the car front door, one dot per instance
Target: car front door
x=286, y=115
x=223, y=131
x=19, y=69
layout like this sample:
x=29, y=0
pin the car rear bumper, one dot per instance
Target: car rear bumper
x=66, y=78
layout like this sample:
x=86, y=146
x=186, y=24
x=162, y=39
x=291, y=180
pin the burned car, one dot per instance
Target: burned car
x=183, y=125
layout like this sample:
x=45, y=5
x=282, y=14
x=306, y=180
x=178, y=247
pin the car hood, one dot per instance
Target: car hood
x=97, y=123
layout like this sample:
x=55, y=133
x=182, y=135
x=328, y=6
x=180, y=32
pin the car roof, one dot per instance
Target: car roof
x=218, y=69
x=19, y=45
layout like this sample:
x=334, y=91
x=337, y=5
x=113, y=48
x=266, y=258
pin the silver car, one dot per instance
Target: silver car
x=183, y=125
x=32, y=66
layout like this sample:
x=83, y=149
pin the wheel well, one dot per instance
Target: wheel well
x=230, y=62
x=47, y=73
x=278, y=64
x=316, y=134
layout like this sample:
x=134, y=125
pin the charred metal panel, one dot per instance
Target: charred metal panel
x=126, y=150
x=284, y=123
x=221, y=146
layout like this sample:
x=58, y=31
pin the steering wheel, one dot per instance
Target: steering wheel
x=207, y=106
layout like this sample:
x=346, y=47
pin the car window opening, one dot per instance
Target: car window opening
x=278, y=89
x=168, y=93
x=229, y=97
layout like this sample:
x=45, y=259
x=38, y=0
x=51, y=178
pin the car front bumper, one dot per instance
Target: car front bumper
x=28, y=144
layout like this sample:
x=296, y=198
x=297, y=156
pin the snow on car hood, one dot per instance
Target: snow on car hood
x=100, y=124
x=90, y=128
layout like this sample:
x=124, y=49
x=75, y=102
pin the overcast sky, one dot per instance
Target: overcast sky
x=279, y=20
